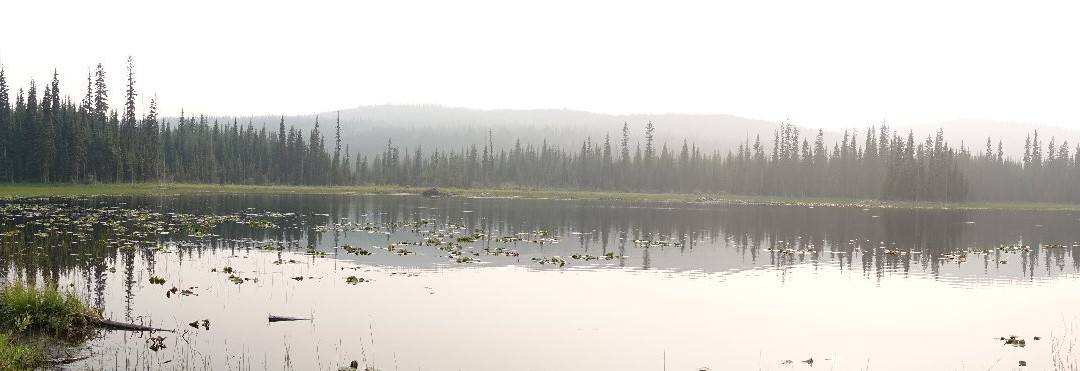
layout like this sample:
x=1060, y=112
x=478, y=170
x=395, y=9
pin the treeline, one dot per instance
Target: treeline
x=1047, y=172
x=887, y=167
x=46, y=137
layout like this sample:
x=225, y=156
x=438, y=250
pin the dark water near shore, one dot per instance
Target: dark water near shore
x=499, y=284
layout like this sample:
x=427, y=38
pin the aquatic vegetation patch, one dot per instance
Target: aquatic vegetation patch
x=311, y=250
x=1017, y=248
x=156, y=343
x=204, y=323
x=239, y=280
x=553, y=261
x=501, y=251
x=261, y=224
x=648, y=243
x=508, y=239
x=355, y=250
x=475, y=236
x=586, y=257
x=1016, y=341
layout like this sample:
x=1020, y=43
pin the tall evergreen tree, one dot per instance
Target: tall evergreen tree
x=128, y=136
x=281, y=153
x=336, y=164
x=44, y=143
x=100, y=136
x=650, y=150
x=31, y=125
x=5, y=130
x=315, y=174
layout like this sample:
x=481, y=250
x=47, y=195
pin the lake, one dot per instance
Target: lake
x=413, y=283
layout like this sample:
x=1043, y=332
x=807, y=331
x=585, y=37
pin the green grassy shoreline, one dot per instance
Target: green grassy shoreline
x=41, y=190
x=33, y=317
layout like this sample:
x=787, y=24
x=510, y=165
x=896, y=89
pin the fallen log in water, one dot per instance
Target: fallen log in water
x=64, y=361
x=108, y=323
x=273, y=318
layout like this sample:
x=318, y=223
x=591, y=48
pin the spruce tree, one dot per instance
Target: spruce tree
x=5, y=130
x=1000, y=152
x=151, y=151
x=345, y=167
x=44, y=144
x=101, y=96
x=98, y=129
x=31, y=133
x=650, y=150
x=127, y=126
x=281, y=153
x=17, y=135
x=336, y=164
x=77, y=139
x=1027, y=152
x=625, y=144
x=607, y=166
x=1036, y=152
x=313, y=153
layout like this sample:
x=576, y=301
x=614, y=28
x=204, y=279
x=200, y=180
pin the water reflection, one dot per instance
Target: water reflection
x=829, y=262
x=683, y=237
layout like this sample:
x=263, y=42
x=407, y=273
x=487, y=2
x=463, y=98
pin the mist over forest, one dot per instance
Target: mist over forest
x=368, y=128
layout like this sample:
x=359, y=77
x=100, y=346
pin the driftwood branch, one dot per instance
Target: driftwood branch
x=273, y=318
x=108, y=323
x=64, y=361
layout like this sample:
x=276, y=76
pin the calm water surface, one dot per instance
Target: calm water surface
x=509, y=284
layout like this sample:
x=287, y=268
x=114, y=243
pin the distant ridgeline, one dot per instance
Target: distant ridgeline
x=46, y=139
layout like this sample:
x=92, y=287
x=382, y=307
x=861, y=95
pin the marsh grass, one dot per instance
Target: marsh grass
x=28, y=313
x=11, y=191
x=29, y=310
x=1063, y=350
x=16, y=355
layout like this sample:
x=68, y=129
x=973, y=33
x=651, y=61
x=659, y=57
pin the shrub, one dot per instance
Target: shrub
x=15, y=355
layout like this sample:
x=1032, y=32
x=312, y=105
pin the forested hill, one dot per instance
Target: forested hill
x=368, y=128
x=47, y=137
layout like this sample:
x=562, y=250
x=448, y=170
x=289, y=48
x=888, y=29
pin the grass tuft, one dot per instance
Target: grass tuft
x=48, y=311
x=1064, y=354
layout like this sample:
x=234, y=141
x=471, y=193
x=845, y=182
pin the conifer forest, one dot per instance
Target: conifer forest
x=46, y=136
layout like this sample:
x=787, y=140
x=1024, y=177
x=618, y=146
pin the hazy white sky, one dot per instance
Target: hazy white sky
x=823, y=63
